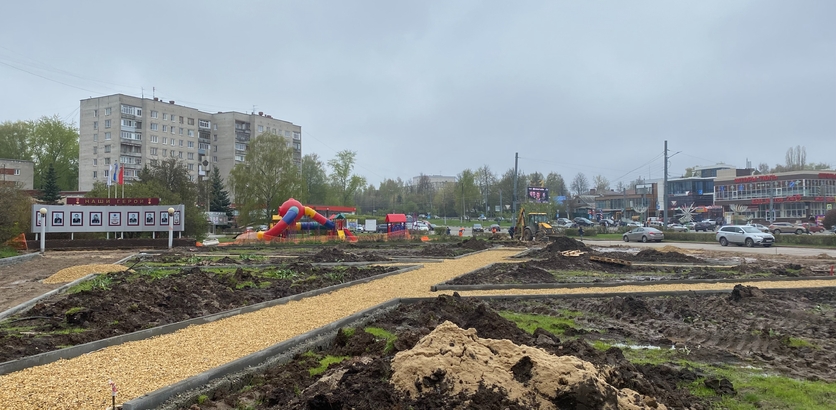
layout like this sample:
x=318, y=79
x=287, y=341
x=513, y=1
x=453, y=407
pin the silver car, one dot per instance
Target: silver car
x=644, y=235
x=744, y=235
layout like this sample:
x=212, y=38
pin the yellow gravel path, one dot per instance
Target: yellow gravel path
x=141, y=367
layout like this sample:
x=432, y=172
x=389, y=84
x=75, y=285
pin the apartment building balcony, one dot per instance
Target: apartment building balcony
x=131, y=153
x=201, y=151
x=242, y=136
x=131, y=142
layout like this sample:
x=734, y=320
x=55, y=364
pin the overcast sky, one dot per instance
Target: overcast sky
x=434, y=87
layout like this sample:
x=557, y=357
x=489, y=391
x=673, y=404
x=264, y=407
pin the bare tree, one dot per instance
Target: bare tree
x=580, y=185
x=602, y=184
x=763, y=168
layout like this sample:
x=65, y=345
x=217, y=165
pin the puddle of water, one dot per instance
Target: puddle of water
x=635, y=347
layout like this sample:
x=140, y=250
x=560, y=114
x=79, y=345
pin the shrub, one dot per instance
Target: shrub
x=829, y=219
x=16, y=206
x=586, y=232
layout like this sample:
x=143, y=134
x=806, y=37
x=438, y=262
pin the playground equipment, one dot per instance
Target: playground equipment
x=291, y=211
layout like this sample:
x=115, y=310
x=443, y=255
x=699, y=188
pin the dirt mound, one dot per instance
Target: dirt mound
x=329, y=255
x=629, y=306
x=226, y=260
x=474, y=244
x=671, y=248
x=432, y=249
x=459, y=361
x=565, y=243
x=524, y=272
x=741, y=292
x=653, y=255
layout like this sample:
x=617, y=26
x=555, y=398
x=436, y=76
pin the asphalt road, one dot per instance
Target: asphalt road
x=773, y=250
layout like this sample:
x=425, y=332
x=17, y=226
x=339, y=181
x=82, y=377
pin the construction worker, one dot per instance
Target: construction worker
x=580, y=231
x=511, y=232
x=461, y=231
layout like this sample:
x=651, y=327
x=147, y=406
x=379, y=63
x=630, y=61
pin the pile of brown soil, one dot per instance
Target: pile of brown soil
x=333, y=254
x=525, y=272
x=652, y=255
x=559, y=244
x=438, y=250
x=474, y=244
x=744, y=292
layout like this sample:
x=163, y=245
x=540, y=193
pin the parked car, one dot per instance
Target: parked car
x=607, y=222
x=643, y=234
x=583, y=221
x=633, y=224
x=778, y=228
x=760, y=227
x=813, y=228
x=678, y=228
x=744, y=235
x=421, y=226
x=690, y=225
x=381, y=228
x=495, y=226
x=704, y=226
x=562, y=221
x=478, y=228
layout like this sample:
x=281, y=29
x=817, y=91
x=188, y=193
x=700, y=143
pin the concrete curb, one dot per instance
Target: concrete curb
x=180, y=393
x=75, y=351
x=28, y=304
x=13, y=260
x=529, y=286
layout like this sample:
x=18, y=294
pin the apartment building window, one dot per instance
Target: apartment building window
x=215, y=148
x=95, y=137
x=17, y=171
x=153, y=114
x=107, y=123
x=153, y=162
x=95, y=150
x=172, y=130
x=191, y=133
x=297, y=135
x=216, y=137
x=191, y=121
x=191, y=167
x=165, y=128
x=287, y=133
x=153, y=151
x=181, y=143
x=180, y=154
x=174, y=118
x=214, y=158
x=274, y=131
x=190, y=155
x=153, y=126
x=172, y=142
x=165, y=140
x=239, y=157
x=107, y=136
x=154, y=139
x=181, y=131
x=106, y=173
x=216, y=127
x=165, y=152
x=95, y=161
x=203, y=124
x=297, y=146
x=107, y=148
x=95, y=125
x=95, y=174
x=165, y=116
x=240, y=147
x=107, y=160
x=127, y=123
x=95, y=113
x=260, y=128
x=181, y=119
x=107, y=111
x=191, y=144
x=131, y=110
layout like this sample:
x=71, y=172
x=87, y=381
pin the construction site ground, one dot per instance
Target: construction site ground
x=790, y=338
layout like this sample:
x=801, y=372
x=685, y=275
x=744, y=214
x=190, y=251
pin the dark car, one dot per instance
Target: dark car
x=583, y=221
x=495, y=227
x=478, y=228
x=381, y=228
x=703, y=226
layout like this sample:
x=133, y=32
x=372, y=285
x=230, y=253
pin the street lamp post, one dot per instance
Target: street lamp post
x=170, y=227
x=42, y=213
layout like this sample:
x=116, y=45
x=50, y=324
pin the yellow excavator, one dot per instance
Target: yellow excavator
x=533, y=226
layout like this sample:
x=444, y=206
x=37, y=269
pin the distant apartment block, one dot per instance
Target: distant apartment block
x=15, y=171
x=138, y=131
x=436, y=181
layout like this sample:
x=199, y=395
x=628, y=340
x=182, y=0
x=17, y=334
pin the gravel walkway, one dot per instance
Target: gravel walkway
x=140, y=367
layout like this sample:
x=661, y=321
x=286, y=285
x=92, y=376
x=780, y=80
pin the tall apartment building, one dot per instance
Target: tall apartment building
x=17, y=172
x=139, y=131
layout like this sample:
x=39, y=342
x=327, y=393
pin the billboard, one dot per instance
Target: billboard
x=72, y=218
x=538, y=194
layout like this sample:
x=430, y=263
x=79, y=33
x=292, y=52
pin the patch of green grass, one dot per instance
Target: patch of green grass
x=279, y=274
x=325, y=362
x=17, y=329
x=67, y=331
x=798, y=342
x=245, y=285
x=383, y=334
x=6, y=252
x=74, y=310
x=102, y=282
x=202, y=399
x=251, y=257
x=759, y=391
x=554, y=324
x=349, y=331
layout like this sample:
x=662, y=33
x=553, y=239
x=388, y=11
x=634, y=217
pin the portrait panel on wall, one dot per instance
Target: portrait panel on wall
x=38, y=218
x=57, y=218
x=177, y=218
x=95, y=219
x=163, y=218
x=149, y=218
x=76, y=218
x=115, y=218
x=133, y=218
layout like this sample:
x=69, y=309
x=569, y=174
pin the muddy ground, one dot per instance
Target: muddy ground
x=129, y=301
x=746, y=327
x=549, y=265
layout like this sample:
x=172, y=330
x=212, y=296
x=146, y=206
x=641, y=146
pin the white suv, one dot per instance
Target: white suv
x=744, y=235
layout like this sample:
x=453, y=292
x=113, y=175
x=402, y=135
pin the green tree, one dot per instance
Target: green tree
x=267, y=178
x=314, y=180
x=17, y=208
x=50, y=193
x=555, y=184
x=14, y=140
x=343, y=182
x=220, y=197
x=829, y=219
x=54, y=142
x=467, y=193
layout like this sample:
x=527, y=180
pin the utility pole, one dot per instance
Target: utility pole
x=665, y=187
x=514, y=194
